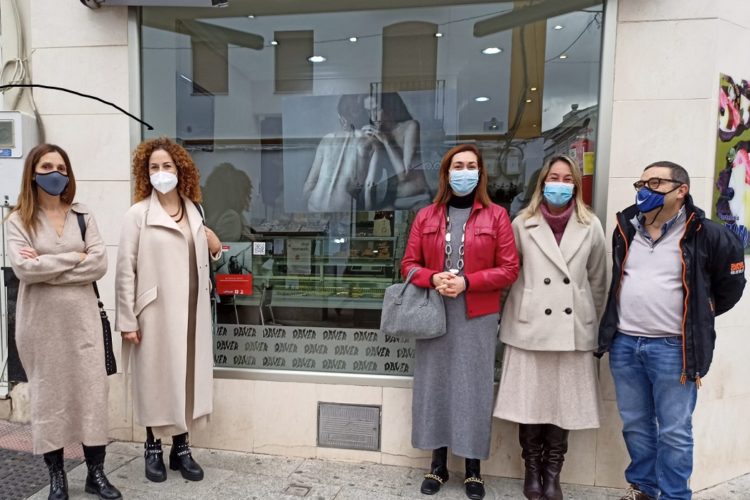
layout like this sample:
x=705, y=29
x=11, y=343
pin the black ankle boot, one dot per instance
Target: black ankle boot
x=438, y=474
x=473, y=483
x=181, y=459
x=156, y=471
x=96, y=481
x=58, y=481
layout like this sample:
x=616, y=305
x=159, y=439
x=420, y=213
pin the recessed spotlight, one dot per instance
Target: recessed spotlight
x=533, y=125
x=528, y=100
x=251, y=16
x=274, y=42
x=352, y=39
x=533, y=89
x=563, y=56
x=491, y=50
x=438, y=34
x=482, y=99
x=558, y=27
x=316, y=59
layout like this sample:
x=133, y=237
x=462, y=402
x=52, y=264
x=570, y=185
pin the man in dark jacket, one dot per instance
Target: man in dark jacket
x=673, y=271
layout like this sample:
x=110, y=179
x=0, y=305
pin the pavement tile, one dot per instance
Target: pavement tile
x=267, y=488
x=248, y=463
x=366, y=476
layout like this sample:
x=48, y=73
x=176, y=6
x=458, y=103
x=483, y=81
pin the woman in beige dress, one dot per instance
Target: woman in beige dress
x=58, y=328
x=549, y=325
x=163, y=303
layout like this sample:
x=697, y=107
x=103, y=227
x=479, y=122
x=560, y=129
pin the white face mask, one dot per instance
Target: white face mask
x=164, y=182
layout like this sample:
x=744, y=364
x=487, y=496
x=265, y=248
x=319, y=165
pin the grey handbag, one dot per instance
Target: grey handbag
x=412, y=312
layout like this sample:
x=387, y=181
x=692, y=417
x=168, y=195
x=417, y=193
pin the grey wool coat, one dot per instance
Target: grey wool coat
x=556, y=303
x=59, y=331
x=152, y=286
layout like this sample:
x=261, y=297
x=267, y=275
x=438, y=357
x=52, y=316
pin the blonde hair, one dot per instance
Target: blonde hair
x=583, y=212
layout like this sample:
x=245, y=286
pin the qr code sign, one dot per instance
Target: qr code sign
x=259, y=248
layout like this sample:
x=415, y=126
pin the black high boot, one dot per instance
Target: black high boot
x=556, y=442
x=156, y=471
x=181, y=459
x=531, y=437
x=473, y=483
x=96, y=481
x=58, y=481
x=438, y=474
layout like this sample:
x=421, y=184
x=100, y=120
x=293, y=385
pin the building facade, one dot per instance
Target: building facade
x=269, y=99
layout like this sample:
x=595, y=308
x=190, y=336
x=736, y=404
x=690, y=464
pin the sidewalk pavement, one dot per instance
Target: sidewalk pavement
x=231, y=475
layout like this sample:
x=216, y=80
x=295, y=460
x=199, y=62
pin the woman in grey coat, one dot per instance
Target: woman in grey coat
x=462, y=245
x=58, y=328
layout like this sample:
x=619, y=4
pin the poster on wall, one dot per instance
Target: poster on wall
x=355, y=152
x=731, y=205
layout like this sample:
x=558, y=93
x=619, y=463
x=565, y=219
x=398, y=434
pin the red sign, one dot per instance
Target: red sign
x=234, y=284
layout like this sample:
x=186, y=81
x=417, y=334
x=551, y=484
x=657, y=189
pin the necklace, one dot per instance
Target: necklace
x=180, y=212
x=449, y=248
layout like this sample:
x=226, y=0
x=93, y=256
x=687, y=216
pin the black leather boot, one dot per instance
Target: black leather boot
x=96, y=481
x=556, y=443
x=58, y=481
x=181, y=459
x=531, y=437
x=473, y=483
x=438, y=474
x=156, y=471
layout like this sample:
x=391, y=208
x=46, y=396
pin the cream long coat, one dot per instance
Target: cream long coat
x=152, y=286
x=556, y=303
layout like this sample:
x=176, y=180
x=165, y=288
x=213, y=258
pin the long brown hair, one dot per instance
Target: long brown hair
x=188, y=176
x=28, y=202
x=444, y=193
x=583, y=212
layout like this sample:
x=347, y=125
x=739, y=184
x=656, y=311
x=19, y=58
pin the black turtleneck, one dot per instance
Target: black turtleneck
x=466, y=201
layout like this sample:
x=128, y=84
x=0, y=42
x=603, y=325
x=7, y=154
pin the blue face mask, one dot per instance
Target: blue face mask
x=52, y=183
x=648, y=200
x=463, y=181
x=558, y=194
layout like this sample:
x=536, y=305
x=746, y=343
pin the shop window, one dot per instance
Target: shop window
x=313, y=207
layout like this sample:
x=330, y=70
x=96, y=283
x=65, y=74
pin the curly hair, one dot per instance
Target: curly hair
x=188, y=176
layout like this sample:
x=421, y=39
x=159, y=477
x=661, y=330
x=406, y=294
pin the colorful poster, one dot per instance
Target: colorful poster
x=731, y=205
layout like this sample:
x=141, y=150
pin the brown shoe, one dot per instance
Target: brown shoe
x=634, y=493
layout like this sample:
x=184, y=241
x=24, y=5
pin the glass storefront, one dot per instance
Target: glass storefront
x=319, y=130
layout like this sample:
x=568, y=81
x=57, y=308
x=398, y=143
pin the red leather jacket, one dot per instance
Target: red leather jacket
x=490, y=256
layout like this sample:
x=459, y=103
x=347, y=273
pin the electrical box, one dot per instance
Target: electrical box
x=18, y=134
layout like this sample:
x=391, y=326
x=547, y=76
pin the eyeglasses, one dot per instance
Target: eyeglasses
x=652, y=183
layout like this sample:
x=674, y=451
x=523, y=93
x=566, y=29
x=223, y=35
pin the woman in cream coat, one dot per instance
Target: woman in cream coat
x=549, y=325
x=163, y=303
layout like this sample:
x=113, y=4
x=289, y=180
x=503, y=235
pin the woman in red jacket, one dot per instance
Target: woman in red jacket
x=463, y=246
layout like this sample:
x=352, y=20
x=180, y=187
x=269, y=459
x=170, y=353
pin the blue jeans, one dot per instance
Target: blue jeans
x=657, y=413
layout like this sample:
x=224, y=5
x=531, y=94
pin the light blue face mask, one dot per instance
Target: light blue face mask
x=558, y=194
x=463, y=181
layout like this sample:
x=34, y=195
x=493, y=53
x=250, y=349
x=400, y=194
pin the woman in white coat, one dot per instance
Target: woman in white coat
x=163, y=303
x=549, y=325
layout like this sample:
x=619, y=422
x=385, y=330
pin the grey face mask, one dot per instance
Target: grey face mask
x=52, y=183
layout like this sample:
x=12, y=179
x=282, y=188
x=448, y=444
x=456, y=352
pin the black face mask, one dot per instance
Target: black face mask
x=52, y=183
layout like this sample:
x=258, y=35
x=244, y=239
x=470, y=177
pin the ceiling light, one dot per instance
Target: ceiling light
x=563, y=56
x=533, y=89
x=251, y=16
x=482, y=99
x=316, y=59
x=274, y=42
x=352, y=39
x=528, y=100
x=491, y=50
x=438, y=34
x=558, y=27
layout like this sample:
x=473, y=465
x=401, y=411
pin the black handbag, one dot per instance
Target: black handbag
x=110, y=363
